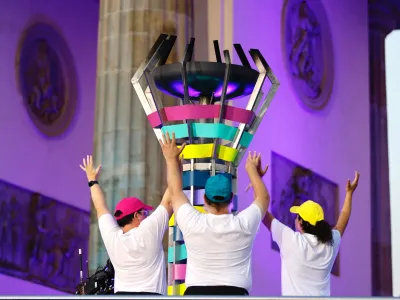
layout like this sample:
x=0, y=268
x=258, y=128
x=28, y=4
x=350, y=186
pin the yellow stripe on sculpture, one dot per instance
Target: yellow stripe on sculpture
x=181, y=289
x=206, y=151
x=172, y=219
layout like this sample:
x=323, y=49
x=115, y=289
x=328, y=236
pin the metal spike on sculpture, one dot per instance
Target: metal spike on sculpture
x=203, y=121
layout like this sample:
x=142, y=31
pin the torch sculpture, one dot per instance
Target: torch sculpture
x=203, y=121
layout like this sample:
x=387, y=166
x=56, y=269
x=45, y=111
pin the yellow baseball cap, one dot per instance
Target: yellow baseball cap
x=309, y=211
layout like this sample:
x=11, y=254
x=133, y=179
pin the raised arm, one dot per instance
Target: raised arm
x=346, y=209
x=253, y=169
x=166, y=202
x=174, y=176
x=97, y=194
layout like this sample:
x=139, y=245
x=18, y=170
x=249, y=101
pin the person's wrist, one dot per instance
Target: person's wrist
x=251, y=167
x=171, y=160
x=92, y=178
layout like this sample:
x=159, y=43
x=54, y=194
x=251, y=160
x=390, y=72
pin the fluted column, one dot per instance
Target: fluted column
x=124, y=143
x=383, y=17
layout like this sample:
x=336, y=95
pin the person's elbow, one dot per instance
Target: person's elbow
x=262, y=203
x=176, y=196
x=265, y=200
x=101, y=211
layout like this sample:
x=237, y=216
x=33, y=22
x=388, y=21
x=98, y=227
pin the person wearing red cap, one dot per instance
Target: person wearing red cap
x=309, y=253
x=132, y=238
x=219, y=244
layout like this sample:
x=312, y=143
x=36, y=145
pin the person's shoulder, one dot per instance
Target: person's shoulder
x=160, y=209
x=105, y=217
x=187, y=209
x=336, y=234
x=185, y=206
x=278, y=225
x=107, y=222
x=252, y=211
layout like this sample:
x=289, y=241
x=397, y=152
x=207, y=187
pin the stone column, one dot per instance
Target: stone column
x=124, y=143
x=382, y=20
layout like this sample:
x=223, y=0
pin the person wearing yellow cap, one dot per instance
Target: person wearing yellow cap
x=219, y=244
x=309, y=253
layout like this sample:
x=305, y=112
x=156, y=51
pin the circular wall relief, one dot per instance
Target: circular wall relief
x=46, y=78
x=308, y=51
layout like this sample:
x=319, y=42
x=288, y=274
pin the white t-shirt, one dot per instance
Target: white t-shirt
x=219, y=246
x=306, y=263
x=137, y=255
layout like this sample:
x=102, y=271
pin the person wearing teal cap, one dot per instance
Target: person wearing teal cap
x=219, y=244
x=309, y=253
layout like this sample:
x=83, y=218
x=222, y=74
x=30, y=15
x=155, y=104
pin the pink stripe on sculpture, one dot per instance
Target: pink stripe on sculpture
x=237, y=114
x=193, y=112
x=190, y=112
x=179, y=271
x=154, y=119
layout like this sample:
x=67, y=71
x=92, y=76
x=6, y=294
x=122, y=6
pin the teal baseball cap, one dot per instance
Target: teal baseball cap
x=218, y=188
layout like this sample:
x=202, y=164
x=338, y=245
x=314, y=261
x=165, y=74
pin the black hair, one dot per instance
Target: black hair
x=218, y=205
x=125, y=220
x=322, y=230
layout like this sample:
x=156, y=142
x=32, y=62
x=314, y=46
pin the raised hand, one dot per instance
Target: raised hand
x=253, y=160
x=169, y=148
x=351, y=187
x=261, y=172
x=91, y=172
x=256, y=159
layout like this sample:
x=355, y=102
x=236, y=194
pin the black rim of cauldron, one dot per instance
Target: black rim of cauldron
x=205, y=78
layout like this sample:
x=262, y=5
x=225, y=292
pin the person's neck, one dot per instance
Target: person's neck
x=128, y=227
x=212, y=210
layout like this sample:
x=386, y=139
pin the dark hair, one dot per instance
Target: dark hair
x=218, y=205
x=125, y=220
x=322, y=230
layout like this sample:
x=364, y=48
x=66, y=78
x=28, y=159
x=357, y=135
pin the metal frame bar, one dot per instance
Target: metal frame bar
x=261, y=64
x=208, y=166
x=242, y=55
x=187, y=57
x=217, y=51
x=186, y=99
x=149, y=58
x=227, y=75
x=146, y=91
x=265, y=72
x=252, y=101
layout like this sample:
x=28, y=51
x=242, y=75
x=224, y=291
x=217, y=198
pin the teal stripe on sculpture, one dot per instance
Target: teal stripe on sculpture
x=181, y=253
x=209, y=130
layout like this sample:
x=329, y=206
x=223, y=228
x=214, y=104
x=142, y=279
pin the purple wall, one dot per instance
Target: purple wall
x=333, y=143
x=28, y=159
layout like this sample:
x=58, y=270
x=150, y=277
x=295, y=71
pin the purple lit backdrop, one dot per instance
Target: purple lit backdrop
x=27, y=158
x=333, y=142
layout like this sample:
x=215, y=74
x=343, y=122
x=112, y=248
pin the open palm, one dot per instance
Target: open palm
x=351, y=187
x=91, y=172
x=260, y=170
x=169, y=148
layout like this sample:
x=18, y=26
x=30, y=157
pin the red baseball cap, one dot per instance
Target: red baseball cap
x=130, y=205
